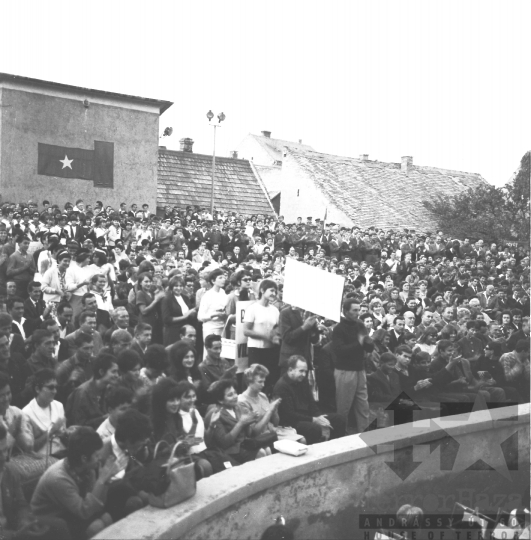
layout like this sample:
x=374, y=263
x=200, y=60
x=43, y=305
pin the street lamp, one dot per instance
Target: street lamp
x=221, y=117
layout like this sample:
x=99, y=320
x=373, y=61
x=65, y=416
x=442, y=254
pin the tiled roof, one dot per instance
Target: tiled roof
x=378, y=193
x=274, y=147
x=184, y=178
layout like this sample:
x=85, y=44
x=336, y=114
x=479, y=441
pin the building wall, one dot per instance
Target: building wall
x=249, y=149
x=29, y=116
x=301, y=198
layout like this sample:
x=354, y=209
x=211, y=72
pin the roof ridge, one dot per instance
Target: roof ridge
x=376, y=161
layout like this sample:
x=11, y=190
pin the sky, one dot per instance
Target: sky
x=447, y=82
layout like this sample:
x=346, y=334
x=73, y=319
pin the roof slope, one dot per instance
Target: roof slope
x=8, y=77
x=378, y=193
x=185, y=178
x=274, y=147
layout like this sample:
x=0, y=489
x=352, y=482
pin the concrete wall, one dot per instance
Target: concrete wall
x=29, y=116
x=323, y=493
x=249, y=149
x=300, y=197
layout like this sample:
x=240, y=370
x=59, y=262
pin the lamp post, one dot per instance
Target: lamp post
x=221, y=117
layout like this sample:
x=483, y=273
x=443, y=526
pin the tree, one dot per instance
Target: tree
x=493, y=214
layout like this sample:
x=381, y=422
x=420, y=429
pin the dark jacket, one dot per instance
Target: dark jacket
x=394, y=341
x=221, y=424
x=298, y=404
x=382, y=389
x=15, y=508
x=295, y=339
x=350, y=340
x=170, y=308
x=85, y=406
x=33, y=314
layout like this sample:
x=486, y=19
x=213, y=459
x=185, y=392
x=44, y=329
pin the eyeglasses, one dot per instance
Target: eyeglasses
x=51, y=386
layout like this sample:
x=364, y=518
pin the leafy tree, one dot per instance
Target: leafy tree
x=487, y=212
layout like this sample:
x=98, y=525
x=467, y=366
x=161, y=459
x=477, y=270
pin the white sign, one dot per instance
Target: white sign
x=236, y=349
x=313, y=289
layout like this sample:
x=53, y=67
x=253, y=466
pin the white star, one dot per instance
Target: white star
x=66, y=162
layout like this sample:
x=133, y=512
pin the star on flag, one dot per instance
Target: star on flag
x=66, y=162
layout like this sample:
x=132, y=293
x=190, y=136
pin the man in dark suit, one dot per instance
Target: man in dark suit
x=15, y=308
x=35, y=310
x=296, y=335
x=74, y=229
x=65, y=314
x=519, y=334
x=474, y=287
x=62, y=349
x=395, y=334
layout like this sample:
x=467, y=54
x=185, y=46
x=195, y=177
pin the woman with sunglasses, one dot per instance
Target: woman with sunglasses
x=241, y=290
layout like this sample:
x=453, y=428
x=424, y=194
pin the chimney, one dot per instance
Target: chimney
x=234, y=154
x=186, y=144
x=364, y=157
x=407, y=164
x=266, y=134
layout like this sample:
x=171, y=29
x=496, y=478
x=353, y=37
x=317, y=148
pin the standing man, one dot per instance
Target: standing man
x=297, y=334
x=21, y=267
x=350, y=341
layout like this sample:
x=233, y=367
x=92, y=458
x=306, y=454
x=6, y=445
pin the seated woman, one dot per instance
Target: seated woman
x=193, y=430
x=381, y=340
x=229, y=424
x=428, y=340
x=20, y=439
x=253, y=400
x=176, y=310
x=129, y=366
x=171, y=426
x=183, y=367
x=72, y=490
x=155, y=364
x=47, y=416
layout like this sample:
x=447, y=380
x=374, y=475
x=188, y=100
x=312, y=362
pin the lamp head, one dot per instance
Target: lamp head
x=210, y=115
x=221, y=117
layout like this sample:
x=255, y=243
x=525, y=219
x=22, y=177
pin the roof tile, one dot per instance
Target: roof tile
x=184, y=178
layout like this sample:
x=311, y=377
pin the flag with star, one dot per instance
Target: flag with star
x=65, y=162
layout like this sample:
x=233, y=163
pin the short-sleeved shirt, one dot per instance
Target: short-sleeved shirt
x=264, y=319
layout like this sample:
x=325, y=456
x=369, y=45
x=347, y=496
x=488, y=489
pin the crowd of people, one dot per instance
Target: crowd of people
x=111, y=324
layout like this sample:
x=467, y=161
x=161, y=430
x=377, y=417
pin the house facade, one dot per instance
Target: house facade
x=62, y=143
x=362, y=192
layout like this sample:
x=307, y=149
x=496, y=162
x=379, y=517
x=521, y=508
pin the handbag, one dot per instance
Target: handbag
x=260, y=441
x=180, y=473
